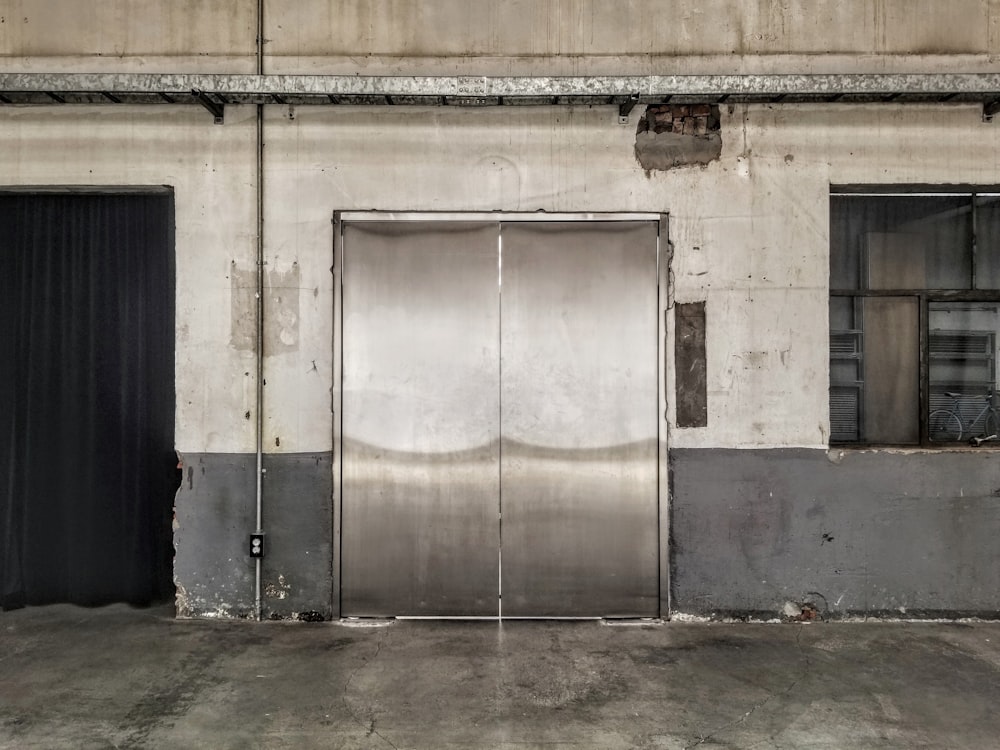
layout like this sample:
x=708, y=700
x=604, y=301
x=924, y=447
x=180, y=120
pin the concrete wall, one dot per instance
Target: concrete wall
x=212, y=170
x=750, y=232
x=751, y=239
x=133, y=36
x=904, y=534
x=573, y=37
x=500, y=37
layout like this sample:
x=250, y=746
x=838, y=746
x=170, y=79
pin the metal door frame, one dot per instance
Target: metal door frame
x=664, y=255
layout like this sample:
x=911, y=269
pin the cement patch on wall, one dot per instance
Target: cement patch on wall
x=215, y=514
x=281, y=307
x=670, y=136
x=854, y=532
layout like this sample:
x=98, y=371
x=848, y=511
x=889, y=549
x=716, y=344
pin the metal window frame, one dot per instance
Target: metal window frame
x=924, y=297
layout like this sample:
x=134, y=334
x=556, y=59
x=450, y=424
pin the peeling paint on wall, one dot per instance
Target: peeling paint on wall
x=181, y=601
x=277, y=590
x=670, y=136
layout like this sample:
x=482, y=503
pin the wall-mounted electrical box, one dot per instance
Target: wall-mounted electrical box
x=256, y=545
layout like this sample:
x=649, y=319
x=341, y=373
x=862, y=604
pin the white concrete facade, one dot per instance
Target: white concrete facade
x=750, y=231
x=500, y=37
x=212, y=171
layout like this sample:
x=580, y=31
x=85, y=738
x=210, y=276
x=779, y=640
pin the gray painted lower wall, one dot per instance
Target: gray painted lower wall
x=852, y=532
x=215, y=514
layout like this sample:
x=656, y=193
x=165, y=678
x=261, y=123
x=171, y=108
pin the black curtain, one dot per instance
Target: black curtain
x=87, y=465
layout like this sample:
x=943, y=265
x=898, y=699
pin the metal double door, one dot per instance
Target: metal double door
x=499, y=429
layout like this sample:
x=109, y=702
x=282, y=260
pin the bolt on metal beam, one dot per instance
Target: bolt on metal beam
x=217, y=110
x=626, y=107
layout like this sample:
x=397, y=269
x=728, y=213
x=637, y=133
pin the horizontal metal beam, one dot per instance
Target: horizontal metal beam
x=491, y=90
x=499, y=216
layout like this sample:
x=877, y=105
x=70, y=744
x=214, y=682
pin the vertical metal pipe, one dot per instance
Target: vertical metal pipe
x=258, y=613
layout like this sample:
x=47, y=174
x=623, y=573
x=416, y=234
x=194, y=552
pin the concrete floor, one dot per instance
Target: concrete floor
x=122, y=677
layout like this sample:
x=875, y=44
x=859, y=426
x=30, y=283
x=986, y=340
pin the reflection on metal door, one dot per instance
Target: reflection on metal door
x=578, y=419
x=499, y=435
x=421, y=419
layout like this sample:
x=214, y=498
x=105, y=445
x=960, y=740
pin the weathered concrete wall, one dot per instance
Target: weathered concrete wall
x=678, y=135
x=880, y=532
x=499, y=37
x=212, y=171
x=567, y=37
x=298, y=516
x=216, y=511
x=609, y=27
x=750, y=230
x=750, y=233
x=138, y=36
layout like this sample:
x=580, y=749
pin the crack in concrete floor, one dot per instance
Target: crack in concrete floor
x=760, y=704
x=368, y=726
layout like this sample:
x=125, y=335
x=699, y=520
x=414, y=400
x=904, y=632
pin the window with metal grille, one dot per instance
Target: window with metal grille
x=914, y=315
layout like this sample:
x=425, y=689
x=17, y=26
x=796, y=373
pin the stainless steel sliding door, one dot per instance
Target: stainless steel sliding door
x=578, y=413
x=499, y=435
x=420, y=430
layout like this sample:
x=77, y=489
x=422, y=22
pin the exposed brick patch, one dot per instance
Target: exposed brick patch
x=686, y=119
x=675, y=135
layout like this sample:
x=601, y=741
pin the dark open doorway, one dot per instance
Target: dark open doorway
x=87, y=463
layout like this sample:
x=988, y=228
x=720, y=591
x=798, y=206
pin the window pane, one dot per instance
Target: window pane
x=874, y=366
x=988, y=242
x=845, y=251
x=891, y=360
x=846, y=386
x=900, y=242
x=961, y=341
x=841, y=313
